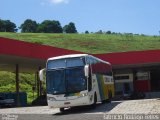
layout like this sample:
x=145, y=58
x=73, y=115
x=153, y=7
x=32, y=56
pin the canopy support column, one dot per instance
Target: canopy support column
x=39, y=84
x=17, y=85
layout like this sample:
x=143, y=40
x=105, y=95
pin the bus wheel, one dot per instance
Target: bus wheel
x=61, y=110
x=104, y=101
x=109, y=97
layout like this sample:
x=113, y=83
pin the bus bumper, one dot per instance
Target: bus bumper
x=81, y=101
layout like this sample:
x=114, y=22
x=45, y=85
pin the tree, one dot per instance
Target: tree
x=70, y=28
x=49, y=26
x=108, y=32
x=2, y=27
x=86, y=32
x=29, y=26
x=7, y=26
x=99, y=32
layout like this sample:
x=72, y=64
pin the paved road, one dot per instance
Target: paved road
x=147, y=106
x=77, y=113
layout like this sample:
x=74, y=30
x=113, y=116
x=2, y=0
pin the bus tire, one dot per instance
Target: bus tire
x=104, y=101
x=61, y=110
x=109, y=97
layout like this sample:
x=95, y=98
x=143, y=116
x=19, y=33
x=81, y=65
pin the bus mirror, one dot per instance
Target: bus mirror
x=41, y=74
x=86, y=70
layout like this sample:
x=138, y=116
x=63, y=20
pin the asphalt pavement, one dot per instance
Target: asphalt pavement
x=137, y=107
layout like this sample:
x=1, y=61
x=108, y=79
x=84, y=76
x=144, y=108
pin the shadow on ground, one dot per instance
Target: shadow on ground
x=100, y=108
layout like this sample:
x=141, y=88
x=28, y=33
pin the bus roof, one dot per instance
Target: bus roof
x=101, y=60
x=67, y=56
x=77, y=55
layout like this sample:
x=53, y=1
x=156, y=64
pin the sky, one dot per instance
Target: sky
x=124, y=16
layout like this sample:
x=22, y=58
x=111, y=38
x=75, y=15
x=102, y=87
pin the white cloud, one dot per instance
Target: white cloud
x=59, y=1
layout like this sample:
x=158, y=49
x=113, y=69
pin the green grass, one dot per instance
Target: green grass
x=91, y=43
x=27, y=81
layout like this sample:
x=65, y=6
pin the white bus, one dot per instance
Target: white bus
x=77, y=80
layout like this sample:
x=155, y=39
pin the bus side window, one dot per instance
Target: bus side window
x=87, y=61
x=90, y=80
x=109, y=73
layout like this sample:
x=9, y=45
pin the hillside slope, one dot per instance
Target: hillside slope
x=91, y=43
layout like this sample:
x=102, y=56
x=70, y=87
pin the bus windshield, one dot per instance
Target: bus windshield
x=63, y=81
x=67, y=62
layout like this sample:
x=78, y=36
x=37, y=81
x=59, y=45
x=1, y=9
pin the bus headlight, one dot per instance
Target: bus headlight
x=83, y=94
x=51, y=98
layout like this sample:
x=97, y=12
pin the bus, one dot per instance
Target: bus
x=77, y=80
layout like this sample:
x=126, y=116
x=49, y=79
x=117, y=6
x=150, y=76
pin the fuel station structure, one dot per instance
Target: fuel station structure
x=137, y=70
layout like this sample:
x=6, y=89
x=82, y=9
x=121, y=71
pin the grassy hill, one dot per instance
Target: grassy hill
x=91, y=43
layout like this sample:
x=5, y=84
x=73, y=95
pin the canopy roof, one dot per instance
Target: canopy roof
x=31, y=56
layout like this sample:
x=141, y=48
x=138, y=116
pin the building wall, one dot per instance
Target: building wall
x=142, y=81
x=123, y=81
